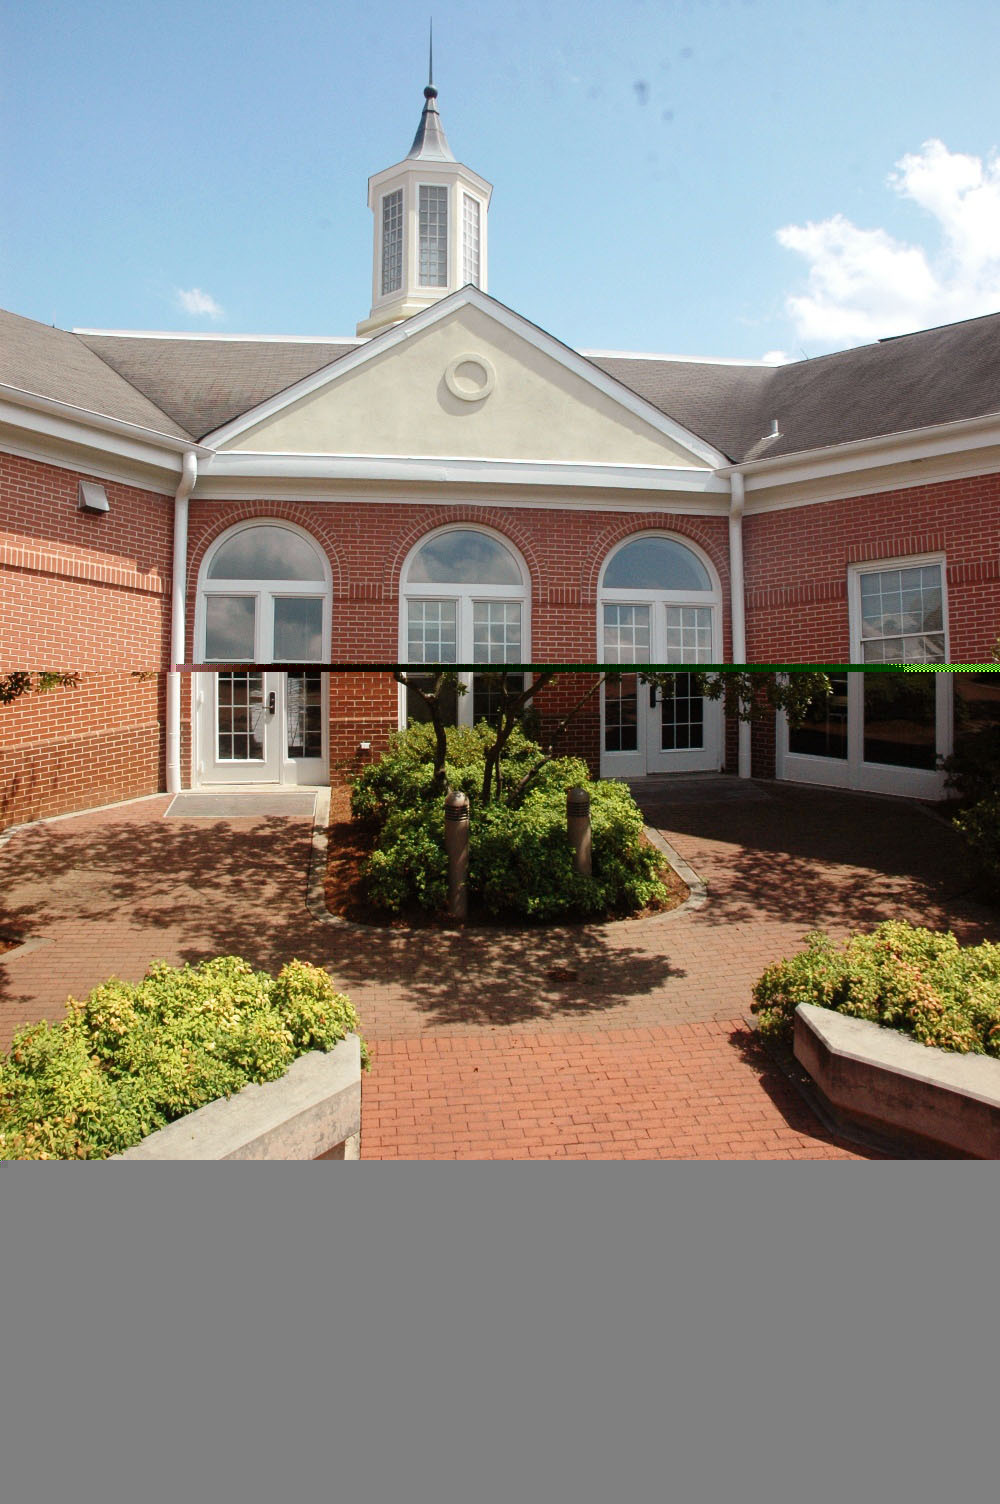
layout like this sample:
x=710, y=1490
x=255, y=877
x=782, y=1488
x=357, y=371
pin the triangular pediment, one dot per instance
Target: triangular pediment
x=467, y=379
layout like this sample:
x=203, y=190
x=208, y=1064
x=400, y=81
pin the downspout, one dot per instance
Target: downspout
x=737, y=603
x=178, y=617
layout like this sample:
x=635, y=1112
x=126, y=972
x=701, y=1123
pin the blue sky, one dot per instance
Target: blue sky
x=717, y=177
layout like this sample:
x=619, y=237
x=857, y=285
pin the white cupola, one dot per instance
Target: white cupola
x=430, y=225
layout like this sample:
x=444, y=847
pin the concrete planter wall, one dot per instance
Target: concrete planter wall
x=880, y=1080
x=312, y=1112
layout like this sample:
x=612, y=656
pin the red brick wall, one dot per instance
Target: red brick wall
x=796, y=565
x=367, y=543
x=88, y=593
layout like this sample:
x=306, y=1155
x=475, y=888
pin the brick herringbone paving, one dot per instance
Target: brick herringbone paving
x=632, y=1030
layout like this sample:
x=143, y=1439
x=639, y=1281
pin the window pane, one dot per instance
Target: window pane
x=496, y=631
x=900, y=720
x=240, y=707
x=392, y=241
x=416, y=710
x=464, y=557
x=303, y=715
x=298, y=629
x=682, y=716
x=487, y=692
x=689, y=634
x=431, y=632
x=470, y=240
x=823, y=732
x=626, y=634
x=656, y=564
x=229, y=628
x=977, y=704
x=433, y=236
x=901, y=615
x=621, y=701
x=266, y=553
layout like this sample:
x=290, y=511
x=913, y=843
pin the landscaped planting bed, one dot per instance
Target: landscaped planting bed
x=391, y=861
x=130, y=1059
x=900, y=976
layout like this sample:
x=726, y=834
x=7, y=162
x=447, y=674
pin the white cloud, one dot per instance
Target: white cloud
x=202, y=304
x=776, y=358
x=865, y=284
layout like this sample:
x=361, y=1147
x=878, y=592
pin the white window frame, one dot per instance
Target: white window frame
x=383, y=291
x=448, y=250
x=465, y=596
x=853, y=772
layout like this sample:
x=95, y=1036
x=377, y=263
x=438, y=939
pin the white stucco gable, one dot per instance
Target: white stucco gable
x=467, y=379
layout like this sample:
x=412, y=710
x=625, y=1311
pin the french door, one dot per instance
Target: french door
x=647, y=729
x=263, y=725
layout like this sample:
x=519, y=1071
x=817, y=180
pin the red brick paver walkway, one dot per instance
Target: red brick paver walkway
x=625, y=1040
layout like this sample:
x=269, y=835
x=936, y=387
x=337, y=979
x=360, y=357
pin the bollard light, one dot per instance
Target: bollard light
x=456, y=844
x=578, y=828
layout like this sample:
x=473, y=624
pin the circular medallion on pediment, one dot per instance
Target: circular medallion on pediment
x=470, y=377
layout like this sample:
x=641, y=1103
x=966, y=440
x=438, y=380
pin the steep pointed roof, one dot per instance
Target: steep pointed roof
x=430, y=143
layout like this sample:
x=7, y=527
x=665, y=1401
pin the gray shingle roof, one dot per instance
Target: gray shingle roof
x=717, y=402
x=53, y=363
x=190, y=387
x=913, y=381
x=203, y=383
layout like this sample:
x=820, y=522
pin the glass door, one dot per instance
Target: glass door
x=257, y=725
x=683, y=735
x=648, y=729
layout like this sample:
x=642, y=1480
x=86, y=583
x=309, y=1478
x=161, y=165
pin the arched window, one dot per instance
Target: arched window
x=465, y=599
x=659, y=602
x=263, y=598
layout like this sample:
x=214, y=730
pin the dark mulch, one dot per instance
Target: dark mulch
x=350, y=841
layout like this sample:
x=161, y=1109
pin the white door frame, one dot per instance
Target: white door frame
x=276, y=766
x=648, y=756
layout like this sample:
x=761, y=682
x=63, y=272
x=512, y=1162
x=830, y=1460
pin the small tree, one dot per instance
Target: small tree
x=746, y=696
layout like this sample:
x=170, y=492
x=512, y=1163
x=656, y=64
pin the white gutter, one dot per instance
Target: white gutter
x=178, y=602
x=737, y=603
x=54, y=407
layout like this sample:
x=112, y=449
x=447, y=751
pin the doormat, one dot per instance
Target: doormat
x=230, y=806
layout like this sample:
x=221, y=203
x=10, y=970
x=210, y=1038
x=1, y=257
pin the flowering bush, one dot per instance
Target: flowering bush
x=903, y=977
x=129, y=1059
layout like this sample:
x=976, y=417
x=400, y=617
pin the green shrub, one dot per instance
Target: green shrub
x=973, y=768
x=129, y=1059
x=900, y=976
x=520, y=857
x=980, y=826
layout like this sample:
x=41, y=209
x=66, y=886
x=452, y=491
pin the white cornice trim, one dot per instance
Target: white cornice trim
x=249, y=339
x=686, y=360
x=86, y=418
x=331, y=492
x=906, y=446
x=388, y=339
x=465, y=471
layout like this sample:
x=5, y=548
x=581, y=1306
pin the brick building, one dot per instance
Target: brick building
x=453, y=483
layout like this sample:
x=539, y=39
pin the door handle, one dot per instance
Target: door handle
x=271, y=703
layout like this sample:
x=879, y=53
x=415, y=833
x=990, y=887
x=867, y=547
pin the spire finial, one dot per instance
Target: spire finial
x=430, y=92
